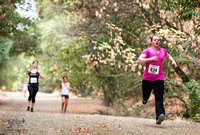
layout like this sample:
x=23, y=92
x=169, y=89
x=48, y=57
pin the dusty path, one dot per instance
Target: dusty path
x=50, y=103
x=82, y=118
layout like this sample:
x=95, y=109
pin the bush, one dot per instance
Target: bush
x=193, y=101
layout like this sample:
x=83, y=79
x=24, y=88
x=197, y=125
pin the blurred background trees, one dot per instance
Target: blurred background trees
x=96, y=44
x=17, y=37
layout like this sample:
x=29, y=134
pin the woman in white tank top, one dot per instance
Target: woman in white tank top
x=64, y=90
x=25, y=87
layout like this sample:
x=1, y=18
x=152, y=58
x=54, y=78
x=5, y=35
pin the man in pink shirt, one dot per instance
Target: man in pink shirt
x=153, y=77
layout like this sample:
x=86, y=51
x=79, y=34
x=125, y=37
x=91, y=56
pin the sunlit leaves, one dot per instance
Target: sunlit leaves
x=113, y=53
x=186, y=9
x=10, y=18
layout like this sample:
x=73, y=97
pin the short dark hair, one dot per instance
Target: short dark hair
x=65, y=77
x=154, y=36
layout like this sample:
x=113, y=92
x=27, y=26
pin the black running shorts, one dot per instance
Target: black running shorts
x=66, y=96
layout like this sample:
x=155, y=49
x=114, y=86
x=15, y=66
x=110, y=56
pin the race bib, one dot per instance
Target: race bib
x=33, y=80
x=153, y=69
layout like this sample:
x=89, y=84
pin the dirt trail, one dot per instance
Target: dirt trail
x=50, y=103
x=82, y=118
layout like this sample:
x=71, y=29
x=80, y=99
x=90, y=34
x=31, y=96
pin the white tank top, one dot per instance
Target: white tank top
x=65, y=89
x=25, y=86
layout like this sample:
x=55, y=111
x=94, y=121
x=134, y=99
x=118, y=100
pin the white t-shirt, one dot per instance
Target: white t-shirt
x=65, y=89
x=25, y=86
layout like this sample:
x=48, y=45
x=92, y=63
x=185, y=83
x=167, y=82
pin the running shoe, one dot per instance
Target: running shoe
x=31, y=109
x=28, y=108
x=161, y=118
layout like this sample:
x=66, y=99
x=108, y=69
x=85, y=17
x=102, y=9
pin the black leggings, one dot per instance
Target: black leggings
x=32, y=93
x=158, y=87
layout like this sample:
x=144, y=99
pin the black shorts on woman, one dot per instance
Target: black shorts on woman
x=33, y=86
x=66, y=96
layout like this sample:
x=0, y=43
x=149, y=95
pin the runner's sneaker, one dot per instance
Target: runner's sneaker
x=28, y=108
x=31, y=109
x=144, y=101
x=161, y=118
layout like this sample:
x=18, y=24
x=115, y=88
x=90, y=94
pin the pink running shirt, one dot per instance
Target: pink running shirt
x=154, y=69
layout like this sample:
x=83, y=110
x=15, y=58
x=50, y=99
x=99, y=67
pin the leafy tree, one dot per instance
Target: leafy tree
x=16, y=37
x=113, y=32
x=186, y=10
x=111, y=61
x=193, y=90
x=62, y=50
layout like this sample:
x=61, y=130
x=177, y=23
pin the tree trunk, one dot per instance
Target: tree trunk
x=182, y=74
x=107, y=100
x=83, y=93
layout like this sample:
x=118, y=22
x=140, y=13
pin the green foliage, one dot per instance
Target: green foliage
x=193, y=101
x=5, y=45
x=112, y=62
x=18, y=29
x=11, y=21
x=186, y=9
x=197, y=28
x=62, y=53
x=73, y=65
x=13, y=72
x=26, y=41
x=17, y=37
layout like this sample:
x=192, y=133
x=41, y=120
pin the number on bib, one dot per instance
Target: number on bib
x=153, y=69
x=33, y=80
